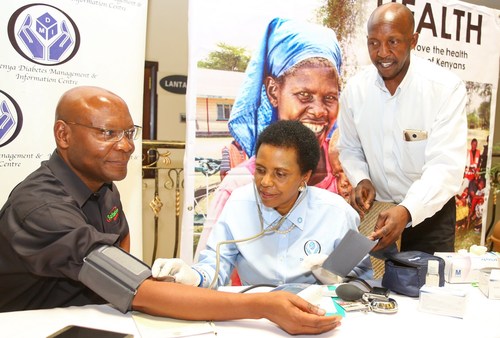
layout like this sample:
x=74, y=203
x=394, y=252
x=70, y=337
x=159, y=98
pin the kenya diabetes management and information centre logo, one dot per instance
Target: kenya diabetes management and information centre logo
x=11, y=119
x=43, y=34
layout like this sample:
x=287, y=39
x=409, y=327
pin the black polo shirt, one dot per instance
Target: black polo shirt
x=49, y=223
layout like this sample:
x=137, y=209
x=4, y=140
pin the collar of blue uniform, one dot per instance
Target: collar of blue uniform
x=294, y=218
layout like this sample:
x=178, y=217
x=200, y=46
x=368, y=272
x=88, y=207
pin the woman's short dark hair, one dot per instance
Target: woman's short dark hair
x=293, y=134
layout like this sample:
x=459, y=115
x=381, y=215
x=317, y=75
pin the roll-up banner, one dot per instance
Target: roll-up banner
x=224, y=34
x=50, y=47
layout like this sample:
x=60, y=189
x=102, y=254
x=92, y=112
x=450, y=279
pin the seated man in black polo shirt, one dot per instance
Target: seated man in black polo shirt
x=64, y=238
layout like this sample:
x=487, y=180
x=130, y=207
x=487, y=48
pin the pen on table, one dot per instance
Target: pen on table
x=213, y=327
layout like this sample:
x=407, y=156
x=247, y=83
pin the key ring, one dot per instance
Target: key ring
x=379, y=303
x=387, y=306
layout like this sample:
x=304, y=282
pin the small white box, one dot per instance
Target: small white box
x=489, y=282
x=442, y=301
x=464, y=268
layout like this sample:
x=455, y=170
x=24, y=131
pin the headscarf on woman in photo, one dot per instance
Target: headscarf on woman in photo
x=285, y=43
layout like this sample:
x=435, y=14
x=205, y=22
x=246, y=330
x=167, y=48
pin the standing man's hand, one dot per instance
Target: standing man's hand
x=362, y=197
x=390, y=225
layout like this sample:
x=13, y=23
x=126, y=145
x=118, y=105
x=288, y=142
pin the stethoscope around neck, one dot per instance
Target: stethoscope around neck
x=276, y=225
x=273, y=227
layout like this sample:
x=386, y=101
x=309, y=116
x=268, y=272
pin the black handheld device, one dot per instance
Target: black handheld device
x=72, y=331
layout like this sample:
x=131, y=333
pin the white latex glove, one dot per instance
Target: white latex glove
x=175, y=269
x=326, y=277
x=314, y=264
x=314, y=261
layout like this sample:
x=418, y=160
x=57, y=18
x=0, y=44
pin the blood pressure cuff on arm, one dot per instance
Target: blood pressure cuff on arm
x=114, y=275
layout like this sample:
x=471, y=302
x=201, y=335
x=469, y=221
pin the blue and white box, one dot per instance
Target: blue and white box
x=464, y=267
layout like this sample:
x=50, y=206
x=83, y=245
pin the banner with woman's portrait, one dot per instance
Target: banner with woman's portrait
x=229, y=102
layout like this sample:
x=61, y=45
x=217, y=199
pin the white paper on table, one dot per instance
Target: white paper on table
x=154, y=326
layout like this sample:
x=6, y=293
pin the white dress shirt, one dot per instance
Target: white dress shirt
x=421, y=175
x=319, y=222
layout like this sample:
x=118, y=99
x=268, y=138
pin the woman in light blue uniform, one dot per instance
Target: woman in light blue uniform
x=270, y=226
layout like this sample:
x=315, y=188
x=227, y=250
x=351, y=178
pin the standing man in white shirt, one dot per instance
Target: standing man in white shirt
x=403, y=137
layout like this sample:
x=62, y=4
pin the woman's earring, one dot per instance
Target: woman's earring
x=302, y=186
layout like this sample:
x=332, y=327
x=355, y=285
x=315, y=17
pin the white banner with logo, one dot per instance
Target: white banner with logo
x=50, y=47
x=456, y=35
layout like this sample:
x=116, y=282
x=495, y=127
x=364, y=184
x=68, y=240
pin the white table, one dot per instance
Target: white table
x=482, y=319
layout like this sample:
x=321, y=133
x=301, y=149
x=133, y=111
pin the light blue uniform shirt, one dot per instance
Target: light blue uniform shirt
x=320, y=221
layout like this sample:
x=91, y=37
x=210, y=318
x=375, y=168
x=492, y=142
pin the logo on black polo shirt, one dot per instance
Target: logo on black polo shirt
x=43, y=34
x=11, y=119
x=113, y=215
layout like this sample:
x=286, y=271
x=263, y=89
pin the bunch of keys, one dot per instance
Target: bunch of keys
x=356, y=299
x=379, y=304
x=388, y=305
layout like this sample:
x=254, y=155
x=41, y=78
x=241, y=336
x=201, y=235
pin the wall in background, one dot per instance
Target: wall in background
x=166, y=44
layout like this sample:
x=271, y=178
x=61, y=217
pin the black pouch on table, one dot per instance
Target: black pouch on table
x=405, y=271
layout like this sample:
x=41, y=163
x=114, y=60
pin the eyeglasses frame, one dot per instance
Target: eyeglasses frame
x=136, y=129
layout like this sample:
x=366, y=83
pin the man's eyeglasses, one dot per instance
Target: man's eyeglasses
x=113, y=135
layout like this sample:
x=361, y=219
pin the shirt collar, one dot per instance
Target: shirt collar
x=72, y=183
x=379, y=81
x=297, y=216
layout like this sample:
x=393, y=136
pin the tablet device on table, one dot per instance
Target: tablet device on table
x=75, y=331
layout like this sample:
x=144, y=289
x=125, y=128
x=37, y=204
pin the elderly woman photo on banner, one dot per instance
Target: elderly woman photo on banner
x=293, y=75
